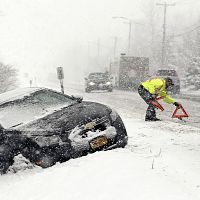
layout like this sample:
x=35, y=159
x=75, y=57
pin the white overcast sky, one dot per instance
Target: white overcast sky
x=36, y=36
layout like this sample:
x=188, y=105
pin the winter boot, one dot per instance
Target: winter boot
x=152, y=119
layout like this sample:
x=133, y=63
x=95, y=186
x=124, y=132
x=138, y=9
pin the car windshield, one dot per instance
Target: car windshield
x=166, y=73
x=98, y=76
x=32, y=107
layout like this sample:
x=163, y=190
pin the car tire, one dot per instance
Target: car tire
x=110, y=90
x=42, y=160
x=30, y=151
x=121, y=138
x=46, y=161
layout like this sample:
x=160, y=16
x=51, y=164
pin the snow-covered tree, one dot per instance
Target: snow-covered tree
x=192, y=53
x=8, y=77
x=193, y=73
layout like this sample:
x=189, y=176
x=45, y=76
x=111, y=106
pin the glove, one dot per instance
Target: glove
x=177, y=104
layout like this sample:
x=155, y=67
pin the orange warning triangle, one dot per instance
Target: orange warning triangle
x=180, y=115
x=159, y=97
x=156, y=104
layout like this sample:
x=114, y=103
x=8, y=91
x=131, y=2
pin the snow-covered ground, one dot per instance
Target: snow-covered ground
x=160, y=162
x=190, y=94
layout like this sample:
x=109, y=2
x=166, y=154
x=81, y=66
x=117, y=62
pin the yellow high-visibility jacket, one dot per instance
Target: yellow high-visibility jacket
x=158, y=86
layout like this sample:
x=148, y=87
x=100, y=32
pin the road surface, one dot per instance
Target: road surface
x=130, y=104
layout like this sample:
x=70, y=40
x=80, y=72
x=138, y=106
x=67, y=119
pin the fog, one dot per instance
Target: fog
x=39, y=35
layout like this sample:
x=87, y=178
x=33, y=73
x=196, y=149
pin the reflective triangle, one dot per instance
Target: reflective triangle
x=180, y=112
x=156, y=104
x=159, y=97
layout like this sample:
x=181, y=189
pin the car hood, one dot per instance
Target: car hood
x=65, y=119
x=99, y=80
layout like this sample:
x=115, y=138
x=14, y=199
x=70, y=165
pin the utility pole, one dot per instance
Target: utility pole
x=115, y=47
x=98, y=48
x=98, y=53
x=88, y=61
x=129, y=36
x=165, y=5
x=129, y=22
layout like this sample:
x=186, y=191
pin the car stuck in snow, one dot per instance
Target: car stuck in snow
x=46, y=127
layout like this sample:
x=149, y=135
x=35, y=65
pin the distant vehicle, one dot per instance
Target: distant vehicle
x=46, y=127
x=163, y=73
x=98, y=81
x=132, y=71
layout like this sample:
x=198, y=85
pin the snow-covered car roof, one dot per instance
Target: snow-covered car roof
x=19, y=93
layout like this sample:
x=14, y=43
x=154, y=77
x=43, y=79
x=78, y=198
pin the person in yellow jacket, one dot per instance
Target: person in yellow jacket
x=150, y=89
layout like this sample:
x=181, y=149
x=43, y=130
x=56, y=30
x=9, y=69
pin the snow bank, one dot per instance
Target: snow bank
x=147, y=168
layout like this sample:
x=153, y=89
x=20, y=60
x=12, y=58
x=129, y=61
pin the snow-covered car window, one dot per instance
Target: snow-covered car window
x=18, y=112
x=32, y=107
x=49, y=99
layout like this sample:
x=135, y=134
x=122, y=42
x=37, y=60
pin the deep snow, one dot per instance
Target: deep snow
x=161, y=161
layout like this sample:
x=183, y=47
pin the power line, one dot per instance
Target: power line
x=181, y=2
x=186, y=32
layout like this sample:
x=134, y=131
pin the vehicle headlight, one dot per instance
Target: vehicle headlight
x=108, y=83
x=113, y=115
x=91, y=83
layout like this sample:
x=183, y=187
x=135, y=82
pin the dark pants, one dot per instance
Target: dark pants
x=147, y=96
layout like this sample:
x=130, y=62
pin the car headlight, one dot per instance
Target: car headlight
x=91, y=83
x=113, y=115
x=108, y=83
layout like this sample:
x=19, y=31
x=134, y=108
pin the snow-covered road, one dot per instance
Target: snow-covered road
x=161, y=161
x=129, y=104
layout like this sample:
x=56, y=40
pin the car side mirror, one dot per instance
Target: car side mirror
x=77, y=98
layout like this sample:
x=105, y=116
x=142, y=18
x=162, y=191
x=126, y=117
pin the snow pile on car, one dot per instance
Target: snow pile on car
x=78, y=140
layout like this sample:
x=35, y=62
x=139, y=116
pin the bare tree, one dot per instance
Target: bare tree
x=8, y=77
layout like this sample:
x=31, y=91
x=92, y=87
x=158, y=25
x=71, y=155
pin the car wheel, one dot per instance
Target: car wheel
x=121, y=137
x=46, y=161
x=43, y=160
x=30, y=151
x=36, y=156
x=110, y=90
